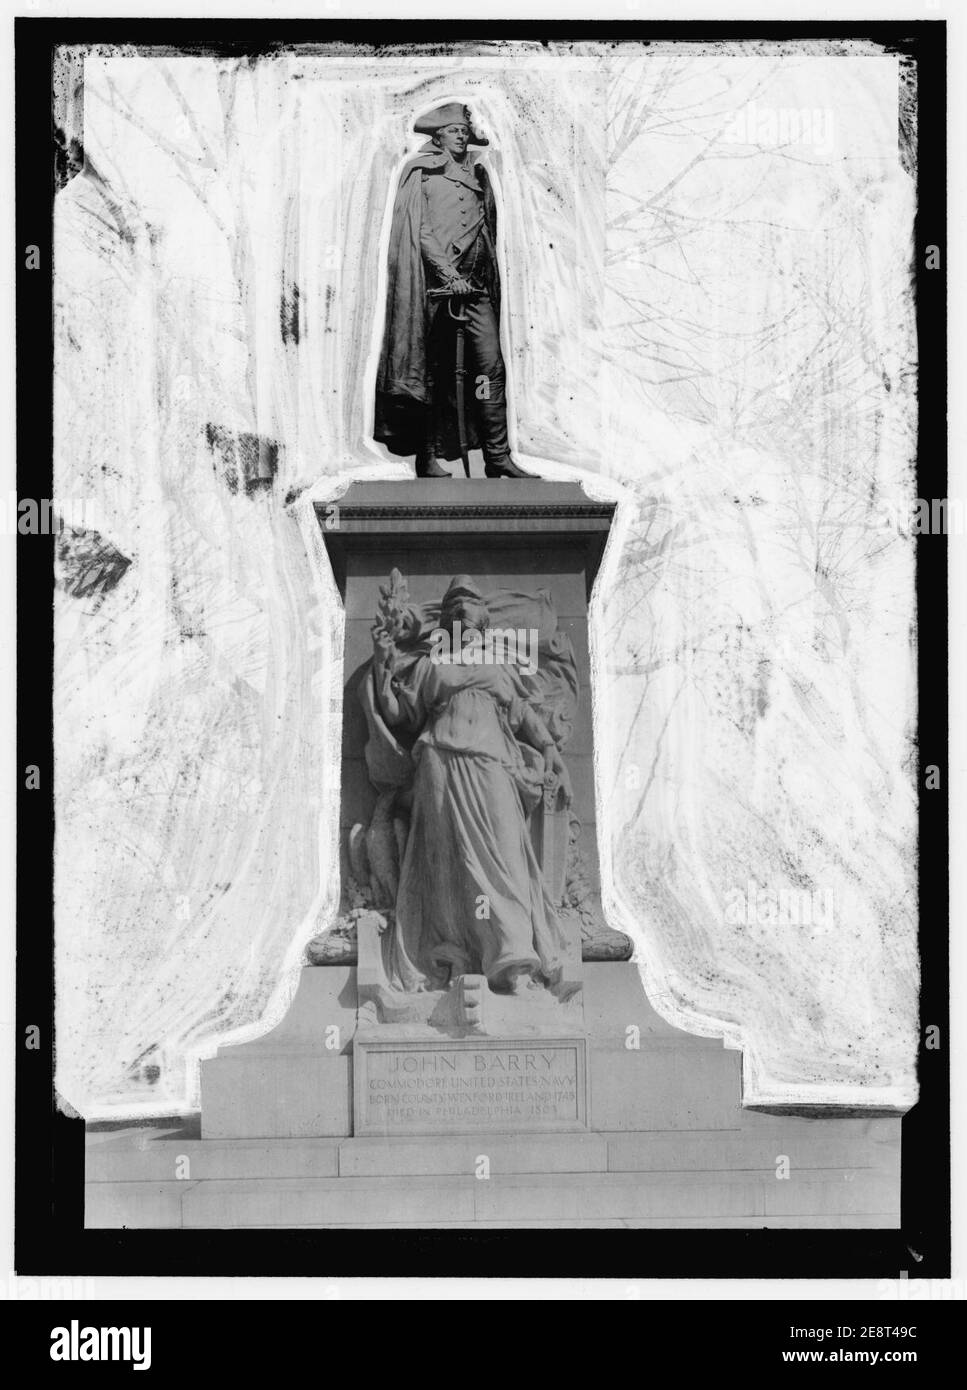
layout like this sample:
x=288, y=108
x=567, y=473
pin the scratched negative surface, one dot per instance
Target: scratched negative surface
x=708, y=317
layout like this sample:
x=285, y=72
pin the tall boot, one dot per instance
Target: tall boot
x=505, y=468
x=496, y=449
x=427, y=463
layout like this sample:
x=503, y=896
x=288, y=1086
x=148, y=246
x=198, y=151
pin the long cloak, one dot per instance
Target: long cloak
x=402, y=380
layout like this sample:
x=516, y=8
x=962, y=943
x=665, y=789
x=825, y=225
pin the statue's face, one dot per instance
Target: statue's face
x=467, y=613
x=453, y=138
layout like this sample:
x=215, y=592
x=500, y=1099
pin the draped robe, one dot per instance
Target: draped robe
x=472, y=896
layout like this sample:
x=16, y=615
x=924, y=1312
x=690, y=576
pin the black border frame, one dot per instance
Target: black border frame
x=49, y=1194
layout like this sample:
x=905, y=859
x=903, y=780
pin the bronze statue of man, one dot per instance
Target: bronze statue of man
x=442, y=301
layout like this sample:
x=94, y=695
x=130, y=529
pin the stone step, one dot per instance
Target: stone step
x=806, y=1144
x=838, y=1192
x=174, y=1157
x=836, y=1196
x=134, y=1206
x=157, y=1155
x=459, y=1154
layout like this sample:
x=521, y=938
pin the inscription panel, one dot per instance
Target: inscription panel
x=456, y=1086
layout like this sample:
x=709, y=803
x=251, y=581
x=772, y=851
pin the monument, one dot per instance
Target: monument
x=470, y=1002
x=471, y=909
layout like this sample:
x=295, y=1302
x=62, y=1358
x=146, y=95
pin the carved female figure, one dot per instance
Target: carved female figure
x=471, y=897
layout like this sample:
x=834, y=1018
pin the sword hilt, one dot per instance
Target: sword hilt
x=460, y=298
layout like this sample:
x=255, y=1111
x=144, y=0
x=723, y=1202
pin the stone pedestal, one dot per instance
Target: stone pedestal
x=668, y=1142
x=372, y=1106
x=631, y=1070
x=296, y=1082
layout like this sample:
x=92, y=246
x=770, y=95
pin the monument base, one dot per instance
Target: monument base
x=667, y=1144
x=843, y=1174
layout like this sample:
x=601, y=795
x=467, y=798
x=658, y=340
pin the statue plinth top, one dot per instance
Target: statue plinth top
x=508, y=513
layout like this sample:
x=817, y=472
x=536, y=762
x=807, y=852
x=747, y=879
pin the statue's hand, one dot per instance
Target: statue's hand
x=384, y=648
x=556, y=773
x=410, y=624
x=460, y=286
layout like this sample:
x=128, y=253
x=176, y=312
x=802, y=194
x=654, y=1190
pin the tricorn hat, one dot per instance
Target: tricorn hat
x=452, y=113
